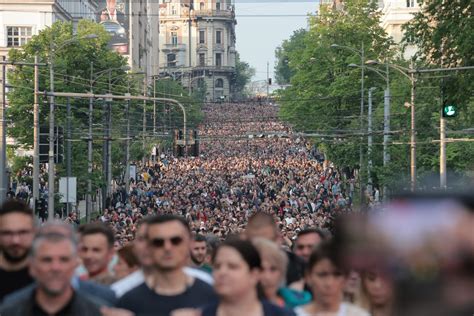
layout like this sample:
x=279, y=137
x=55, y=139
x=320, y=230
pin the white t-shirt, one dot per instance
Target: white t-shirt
x=345, y=309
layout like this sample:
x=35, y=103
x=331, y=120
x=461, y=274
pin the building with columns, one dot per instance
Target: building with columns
x=197, y=44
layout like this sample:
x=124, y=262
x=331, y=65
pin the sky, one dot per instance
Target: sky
x=262, y=25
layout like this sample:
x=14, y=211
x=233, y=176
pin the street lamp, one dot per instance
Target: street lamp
x=361, y=54
x=94, y=77
x=410, y=74
x=52, y=50
x=127, y=139
x=386, y=123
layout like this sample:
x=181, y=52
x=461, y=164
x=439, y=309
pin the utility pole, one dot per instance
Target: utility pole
x=144, y=117
x=3, y=141
x=51, y=166
x=361, y=154
x=68, y=152
x=105, y=158
x=36, y=135
x=154, y=108
x=127, y=146
x=412, y=130
x=89, y=152
x=386, y=126
x=442, y=143
x=109, y=139
x=369, y=142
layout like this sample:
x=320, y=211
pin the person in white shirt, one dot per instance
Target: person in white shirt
x=327, y=278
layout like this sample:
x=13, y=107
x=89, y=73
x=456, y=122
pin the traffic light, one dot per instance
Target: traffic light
x=449, y=110
x=58, y=144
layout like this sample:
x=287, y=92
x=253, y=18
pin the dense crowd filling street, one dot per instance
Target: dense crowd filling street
x=249, y=227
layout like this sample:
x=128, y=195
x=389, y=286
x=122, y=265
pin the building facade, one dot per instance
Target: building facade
x=395, y=13
x=197, y=44
x=21, y=19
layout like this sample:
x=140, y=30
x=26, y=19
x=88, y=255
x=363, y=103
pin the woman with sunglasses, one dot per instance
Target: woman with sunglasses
x=327, y=278
x=237, y=269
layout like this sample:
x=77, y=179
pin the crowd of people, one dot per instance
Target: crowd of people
x=245, y=166
x=250, y=227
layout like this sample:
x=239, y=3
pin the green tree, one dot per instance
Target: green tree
x=292, y=46
x=444, y=38
x=72, y=55
x=324, y=96
x=243, y=74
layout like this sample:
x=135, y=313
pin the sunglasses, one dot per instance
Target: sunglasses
x=160, y=242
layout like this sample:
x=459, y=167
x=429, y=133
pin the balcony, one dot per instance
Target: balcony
x=173, y=47
x=214, y=13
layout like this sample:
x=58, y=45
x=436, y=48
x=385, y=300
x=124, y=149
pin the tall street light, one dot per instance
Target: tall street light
x=410, y=74
x=386, y=122
x=94, y=77
x=361, y=54
x=53, y=49
x=127, y=140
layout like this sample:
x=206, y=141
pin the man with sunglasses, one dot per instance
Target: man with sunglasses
x=168, y=287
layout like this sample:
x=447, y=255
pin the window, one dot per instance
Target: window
x=174, y=38
x=218, y=59
x=219, y=83
x=410, y=39
x=173, y=10
x=218, y=37
x=202, y=59
x=411, y=3
x=18, y=35
x=202, y=37
x=201, y=6
x=218, y=6
x=171, y=60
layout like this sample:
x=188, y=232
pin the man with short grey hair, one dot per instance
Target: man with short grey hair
x=53, y=259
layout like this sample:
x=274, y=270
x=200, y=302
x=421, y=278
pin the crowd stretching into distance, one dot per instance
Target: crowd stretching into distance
x=250, y=227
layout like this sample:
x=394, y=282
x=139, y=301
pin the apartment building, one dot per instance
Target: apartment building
x=395, y=13
x=197, y=44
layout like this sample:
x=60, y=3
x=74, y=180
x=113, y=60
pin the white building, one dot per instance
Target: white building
x=395, y=13
x=21, y=19
x=197, y=44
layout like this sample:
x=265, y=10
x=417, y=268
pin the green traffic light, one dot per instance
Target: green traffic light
x=449, y=111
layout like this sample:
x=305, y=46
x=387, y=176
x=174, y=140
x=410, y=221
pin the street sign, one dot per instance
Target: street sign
x=68, y=189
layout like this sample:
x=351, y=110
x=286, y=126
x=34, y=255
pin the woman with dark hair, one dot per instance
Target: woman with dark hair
x=326, y=277
x=379, y=292
x=127, y=262
x=237, y=268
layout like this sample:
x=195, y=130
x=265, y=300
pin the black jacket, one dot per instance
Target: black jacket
x=24, y=306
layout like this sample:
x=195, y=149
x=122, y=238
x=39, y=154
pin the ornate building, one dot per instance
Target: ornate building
x=197, y=44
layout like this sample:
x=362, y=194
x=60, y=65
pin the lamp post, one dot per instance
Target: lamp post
x=386, y=121
x=409, y=73
x=361, y=54
x=127, y=140
x=51, y=172
x=94, y=77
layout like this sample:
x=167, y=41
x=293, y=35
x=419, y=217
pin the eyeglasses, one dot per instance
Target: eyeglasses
x=160, y=242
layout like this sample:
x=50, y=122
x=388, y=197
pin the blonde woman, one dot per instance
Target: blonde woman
x=272, y=277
